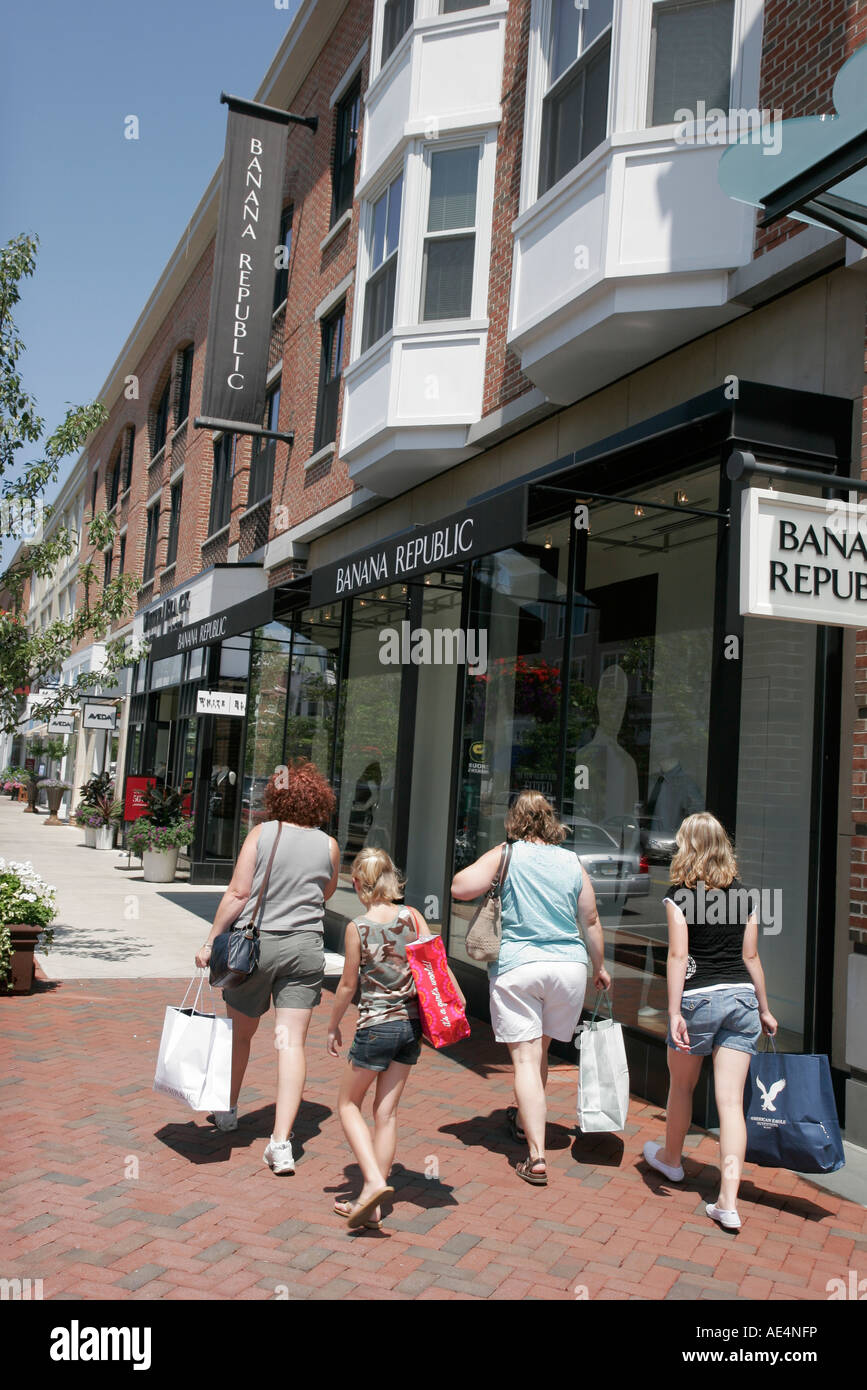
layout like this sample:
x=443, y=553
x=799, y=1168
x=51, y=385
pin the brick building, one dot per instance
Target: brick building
x=558, y=308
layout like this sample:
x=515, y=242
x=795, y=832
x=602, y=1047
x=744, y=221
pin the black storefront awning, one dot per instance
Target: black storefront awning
x=216, y=627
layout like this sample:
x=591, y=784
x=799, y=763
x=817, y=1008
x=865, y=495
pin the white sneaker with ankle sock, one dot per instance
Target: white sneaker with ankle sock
x=729, y=1220
x=279, y=1157
x=650, y=1152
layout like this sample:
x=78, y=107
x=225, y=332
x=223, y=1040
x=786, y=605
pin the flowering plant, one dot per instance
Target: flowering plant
x=144, y=835
x=13, y=785
x=25, y=900
x=54, y=782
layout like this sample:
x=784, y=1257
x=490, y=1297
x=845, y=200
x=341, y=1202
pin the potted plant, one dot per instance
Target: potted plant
x=27, y=909
x=14, y=783
x=54, y=790
x=160, y=834
x=98, y=812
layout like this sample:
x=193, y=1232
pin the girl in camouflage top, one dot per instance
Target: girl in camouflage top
x=388, y=1032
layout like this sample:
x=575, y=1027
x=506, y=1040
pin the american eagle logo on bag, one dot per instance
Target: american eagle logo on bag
x=768, y=1095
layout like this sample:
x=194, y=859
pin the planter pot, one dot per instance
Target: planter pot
x=54, y=796
x=22, y=793
x=90, y=837
x=104, y=837
x=159, y=865
x=30, y=795
x=24, y=941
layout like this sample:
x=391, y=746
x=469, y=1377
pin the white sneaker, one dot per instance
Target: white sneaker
x=729, y=1220
x=279, y=1157
x=226, y=1120
x=650, y=1152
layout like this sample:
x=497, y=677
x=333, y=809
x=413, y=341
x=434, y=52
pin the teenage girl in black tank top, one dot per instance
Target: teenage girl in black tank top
x=717, y=1001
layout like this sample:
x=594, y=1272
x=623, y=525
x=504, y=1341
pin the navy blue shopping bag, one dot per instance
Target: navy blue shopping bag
x=790, y=1113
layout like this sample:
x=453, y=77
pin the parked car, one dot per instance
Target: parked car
x=615, y=873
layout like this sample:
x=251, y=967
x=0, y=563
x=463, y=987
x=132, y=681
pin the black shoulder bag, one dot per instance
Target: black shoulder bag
x=235, y=953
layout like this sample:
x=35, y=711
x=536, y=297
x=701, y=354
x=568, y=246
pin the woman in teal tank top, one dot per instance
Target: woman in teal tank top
x=538, y=982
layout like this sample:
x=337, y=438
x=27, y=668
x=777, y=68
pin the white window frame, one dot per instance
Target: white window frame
x=628, y=85
x=396, y=171
x=427, y=12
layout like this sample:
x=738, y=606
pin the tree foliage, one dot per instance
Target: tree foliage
x=28, y=658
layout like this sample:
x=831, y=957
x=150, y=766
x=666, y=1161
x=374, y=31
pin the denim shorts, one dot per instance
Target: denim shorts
x=721, y=1018
x=379, y=1044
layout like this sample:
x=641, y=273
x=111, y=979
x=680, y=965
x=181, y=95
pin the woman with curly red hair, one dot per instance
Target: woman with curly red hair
x=298, y=801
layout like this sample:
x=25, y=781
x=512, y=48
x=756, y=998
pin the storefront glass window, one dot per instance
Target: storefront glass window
x=637, y=722
x=313, y=686
x=511, y=727
x=266, y=717
x=167, y=672
x=196, y=664
x=227, y=737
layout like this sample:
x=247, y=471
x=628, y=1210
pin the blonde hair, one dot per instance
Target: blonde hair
x=704, y=853
x=377, y=878
x=533, y=815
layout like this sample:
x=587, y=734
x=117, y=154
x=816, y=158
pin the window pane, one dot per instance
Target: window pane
x=380, y=214
x=379, y=304
x=693, y=57
x=453, y=177
x=448, y=278
x=451, y=6
x=397, y=17
x=395, y=193
x=565, y=35
x=597, y=17
x=595, y=122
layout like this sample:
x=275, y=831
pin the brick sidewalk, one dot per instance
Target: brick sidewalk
x=205, y=1219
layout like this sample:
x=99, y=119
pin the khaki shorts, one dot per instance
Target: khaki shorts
x=290, y=972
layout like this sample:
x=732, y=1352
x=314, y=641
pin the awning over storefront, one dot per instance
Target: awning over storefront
x=217, y=626
x=477, y=529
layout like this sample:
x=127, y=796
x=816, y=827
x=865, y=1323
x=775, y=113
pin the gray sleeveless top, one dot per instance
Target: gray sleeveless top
x=387, y=987
x=294, y=898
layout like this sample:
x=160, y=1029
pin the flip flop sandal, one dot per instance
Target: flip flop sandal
x=514, y=1127
x=358, y=1216
x=525, y=1171
x=338, y=1208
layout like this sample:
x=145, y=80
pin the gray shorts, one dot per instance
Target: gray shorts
x=290, y=972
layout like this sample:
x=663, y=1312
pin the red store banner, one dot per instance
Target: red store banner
x=134, y=803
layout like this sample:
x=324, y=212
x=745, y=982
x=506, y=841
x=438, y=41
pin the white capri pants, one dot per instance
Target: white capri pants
x=541, y=997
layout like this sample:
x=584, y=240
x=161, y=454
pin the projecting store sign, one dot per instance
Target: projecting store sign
x=803, y=558
x=220, y=702
x=99, y=717
x=63, y=723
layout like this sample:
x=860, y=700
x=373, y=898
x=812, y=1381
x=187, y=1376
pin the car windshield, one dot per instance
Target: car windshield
x=592, y=837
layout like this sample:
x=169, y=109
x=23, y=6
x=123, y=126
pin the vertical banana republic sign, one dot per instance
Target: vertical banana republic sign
x=239, y=328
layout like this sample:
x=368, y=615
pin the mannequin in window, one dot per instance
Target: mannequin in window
x=611, y=793
x=673, y=796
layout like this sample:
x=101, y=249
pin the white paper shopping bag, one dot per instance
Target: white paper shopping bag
x=603, y=1080
x=194, y=1063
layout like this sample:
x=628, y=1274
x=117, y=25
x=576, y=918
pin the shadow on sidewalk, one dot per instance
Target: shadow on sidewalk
x=705, y=1184
x=203, y=1143
x=409, y=1186
x=97, y=946
x=491, y=1132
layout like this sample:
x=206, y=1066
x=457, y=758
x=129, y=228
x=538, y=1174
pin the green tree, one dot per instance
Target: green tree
x=26, y=658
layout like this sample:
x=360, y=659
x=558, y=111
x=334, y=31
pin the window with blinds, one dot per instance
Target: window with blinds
x=112, y=484
x=452, y=6
x=161, y=420
x=122, y=554
x=281, y=279
x=150, y=553
x=690, y=57
x=383, y=243
x=575, y=106
x=345, y=146
x=397, y=16
x=174, y=522
x=450, y=237
x=330, y=372
x=126, y=456
x=221, y=484
x=262, y=461
x=184, y=385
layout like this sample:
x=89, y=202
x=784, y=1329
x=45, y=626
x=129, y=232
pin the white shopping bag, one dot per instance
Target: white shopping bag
x=603, y=1081
x=194, y=1063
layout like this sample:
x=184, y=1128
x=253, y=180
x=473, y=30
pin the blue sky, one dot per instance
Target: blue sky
x=109, y=211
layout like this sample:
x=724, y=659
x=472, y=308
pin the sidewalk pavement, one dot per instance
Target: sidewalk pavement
x=111, y=924
x=114, y=1191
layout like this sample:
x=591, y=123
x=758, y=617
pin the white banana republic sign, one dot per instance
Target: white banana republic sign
x=803, y=558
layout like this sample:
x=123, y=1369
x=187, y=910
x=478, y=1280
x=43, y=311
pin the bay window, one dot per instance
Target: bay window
x=450, y=236
x=575, y=105
x=397, y=16
x=690, y=57
x=382, y=277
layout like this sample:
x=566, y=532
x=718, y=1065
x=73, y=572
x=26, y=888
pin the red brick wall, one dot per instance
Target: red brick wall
x=804, y=45
x=504, y=380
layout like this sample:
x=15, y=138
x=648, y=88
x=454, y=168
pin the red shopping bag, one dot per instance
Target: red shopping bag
x=443, y=1020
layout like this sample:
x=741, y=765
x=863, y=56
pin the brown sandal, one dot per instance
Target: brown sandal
x=525, y=1171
